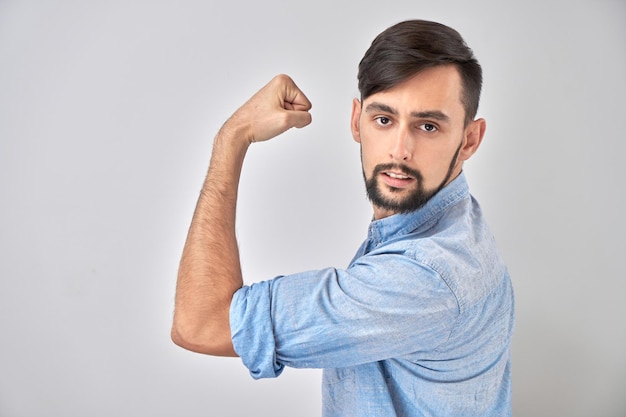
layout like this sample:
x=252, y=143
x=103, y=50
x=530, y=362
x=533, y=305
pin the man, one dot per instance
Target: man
x=419, y=323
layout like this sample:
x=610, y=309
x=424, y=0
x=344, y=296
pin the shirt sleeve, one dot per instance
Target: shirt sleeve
x=382, y=306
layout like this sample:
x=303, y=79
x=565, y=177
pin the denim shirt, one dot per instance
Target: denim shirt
x=419, y=324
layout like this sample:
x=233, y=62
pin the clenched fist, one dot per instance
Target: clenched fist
x=277, y=107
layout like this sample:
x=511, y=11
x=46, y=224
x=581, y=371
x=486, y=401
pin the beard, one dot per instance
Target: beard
x=415, y=199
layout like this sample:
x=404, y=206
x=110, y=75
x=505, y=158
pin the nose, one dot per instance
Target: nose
x=401, y=147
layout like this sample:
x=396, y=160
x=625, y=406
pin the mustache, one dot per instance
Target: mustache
x=414, y=173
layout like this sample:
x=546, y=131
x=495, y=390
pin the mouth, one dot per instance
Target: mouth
x=397, y=176
x=396, y=179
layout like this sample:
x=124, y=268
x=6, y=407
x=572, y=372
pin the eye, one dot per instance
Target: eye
x=383, y=120
x=428, y=127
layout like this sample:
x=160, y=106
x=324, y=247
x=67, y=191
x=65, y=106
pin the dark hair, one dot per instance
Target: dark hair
x=409, y=47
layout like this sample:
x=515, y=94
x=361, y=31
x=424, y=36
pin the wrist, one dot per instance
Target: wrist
x=232, y=140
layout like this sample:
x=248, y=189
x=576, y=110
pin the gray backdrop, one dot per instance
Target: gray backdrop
x=107, y=110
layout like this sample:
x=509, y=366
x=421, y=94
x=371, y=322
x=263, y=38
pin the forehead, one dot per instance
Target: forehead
x=433, y=89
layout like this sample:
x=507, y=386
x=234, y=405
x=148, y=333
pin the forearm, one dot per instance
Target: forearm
x=210, y=270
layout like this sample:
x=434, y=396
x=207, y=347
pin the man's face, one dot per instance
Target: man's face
x=413, y=139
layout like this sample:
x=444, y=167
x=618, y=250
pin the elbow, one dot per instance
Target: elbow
x=207, y=339
x=189, y=336
x=178, y=338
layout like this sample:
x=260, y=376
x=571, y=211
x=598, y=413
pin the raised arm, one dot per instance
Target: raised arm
x=210, y=269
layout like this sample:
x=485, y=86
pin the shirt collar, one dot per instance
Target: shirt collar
x=385, y=229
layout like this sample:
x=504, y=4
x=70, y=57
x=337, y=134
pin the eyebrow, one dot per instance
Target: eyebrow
x=427, y=114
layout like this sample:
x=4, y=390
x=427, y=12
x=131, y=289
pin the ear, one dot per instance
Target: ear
x=355, y=125
x=474, y=134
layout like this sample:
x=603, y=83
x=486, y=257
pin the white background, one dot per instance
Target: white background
x=107, y=110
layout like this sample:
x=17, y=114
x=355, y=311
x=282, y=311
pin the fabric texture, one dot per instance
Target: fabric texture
x=418, y=324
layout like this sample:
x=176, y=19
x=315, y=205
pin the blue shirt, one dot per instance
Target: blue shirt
x=419, y=324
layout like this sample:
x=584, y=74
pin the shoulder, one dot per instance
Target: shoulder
x=459, y=249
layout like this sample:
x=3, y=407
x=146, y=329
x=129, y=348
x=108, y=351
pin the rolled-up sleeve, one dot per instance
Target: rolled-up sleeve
x=383, y=306
x=252, y=330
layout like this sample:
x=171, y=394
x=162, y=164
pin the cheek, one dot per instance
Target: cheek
x=370, y=153
x=367, y=164
x=371, y=157
x=441, y=164
x=433, y=164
